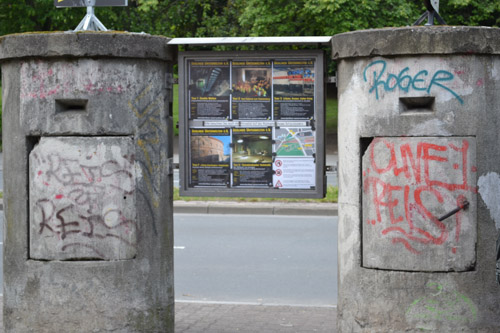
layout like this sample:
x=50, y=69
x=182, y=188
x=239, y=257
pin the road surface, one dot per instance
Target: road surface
x=258, y=259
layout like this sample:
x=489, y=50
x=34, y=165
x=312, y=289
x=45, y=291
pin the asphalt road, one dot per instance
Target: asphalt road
x=256, y=259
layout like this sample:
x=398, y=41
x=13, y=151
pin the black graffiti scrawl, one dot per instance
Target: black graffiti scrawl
x=82, y=191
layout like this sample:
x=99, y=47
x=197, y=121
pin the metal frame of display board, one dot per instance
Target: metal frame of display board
x=234, y=125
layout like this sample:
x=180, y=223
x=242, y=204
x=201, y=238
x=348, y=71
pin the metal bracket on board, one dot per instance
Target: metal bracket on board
x=431, y=13
x=171, y=166
x=90, y=22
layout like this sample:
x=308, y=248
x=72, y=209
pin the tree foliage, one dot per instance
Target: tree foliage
x=202, y=18
x=471, y=12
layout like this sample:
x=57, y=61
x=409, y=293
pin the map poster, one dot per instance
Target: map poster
x=293, y=89
x=209, y=89
x=294, y=173
x=251, y=82
x=294, y=142
x=252, y=157
x=294, y=166
x=210, y=154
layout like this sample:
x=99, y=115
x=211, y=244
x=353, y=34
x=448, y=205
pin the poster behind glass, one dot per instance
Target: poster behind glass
x=209, y=89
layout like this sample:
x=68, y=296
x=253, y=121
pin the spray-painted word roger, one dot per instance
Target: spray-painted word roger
x=409, y=183
x=404, y=81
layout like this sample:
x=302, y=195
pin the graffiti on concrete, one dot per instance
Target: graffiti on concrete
x=83, y=198
x=409, y=186
x=441, y=306
x=43, y=80
x=147, y=107
x=380, y=80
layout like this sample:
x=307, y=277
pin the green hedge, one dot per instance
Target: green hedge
x=332, y=196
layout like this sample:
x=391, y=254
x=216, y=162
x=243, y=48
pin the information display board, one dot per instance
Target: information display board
x=94, y=3
x=252, y=124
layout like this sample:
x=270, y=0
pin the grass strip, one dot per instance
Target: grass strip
x=332, y=195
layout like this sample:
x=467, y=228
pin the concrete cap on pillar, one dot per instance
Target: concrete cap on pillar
x=416, y=40
x=86, y=44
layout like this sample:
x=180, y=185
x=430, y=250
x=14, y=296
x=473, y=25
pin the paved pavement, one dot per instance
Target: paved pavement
x=257, y=208
x=247, y=318
x=250, y=318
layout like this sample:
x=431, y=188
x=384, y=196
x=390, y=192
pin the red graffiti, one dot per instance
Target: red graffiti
x=405, y=181
x=42, y=82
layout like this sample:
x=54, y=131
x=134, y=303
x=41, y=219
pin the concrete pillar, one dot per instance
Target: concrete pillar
x=419, y=110
x=87, y=183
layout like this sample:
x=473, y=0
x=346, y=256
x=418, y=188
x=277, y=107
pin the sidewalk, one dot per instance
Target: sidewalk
x=234, y=318
x=231, y=318
x=257, y=208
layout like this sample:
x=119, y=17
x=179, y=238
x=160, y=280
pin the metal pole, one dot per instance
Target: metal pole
x=90, y=21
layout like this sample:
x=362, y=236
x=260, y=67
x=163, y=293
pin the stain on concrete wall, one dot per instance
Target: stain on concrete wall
x=441, y=305
x=489, y=189
x=82, y=191
x=147, y=108
x=42, y=80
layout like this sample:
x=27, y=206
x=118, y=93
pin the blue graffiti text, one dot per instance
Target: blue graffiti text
x=404, y=81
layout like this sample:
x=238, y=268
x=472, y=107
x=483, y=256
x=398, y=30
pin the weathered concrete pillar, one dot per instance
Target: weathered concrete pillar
x=419, y=175
x=88, y=188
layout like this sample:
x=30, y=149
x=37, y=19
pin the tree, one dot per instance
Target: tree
x=329, y=17
x=325, y=17
x=203, y=18
x=471, y=12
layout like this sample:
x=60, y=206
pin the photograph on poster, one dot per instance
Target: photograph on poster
x=251, y=82
x=252, y=148
x=293, y=78
x=251, y=97
x=210, y=149
x=209, y=89
x=252, y=156
x=293, y=89
x=209, y=78
x=210, y=153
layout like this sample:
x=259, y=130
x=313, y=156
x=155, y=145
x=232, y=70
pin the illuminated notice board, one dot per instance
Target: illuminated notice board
x=252, y=124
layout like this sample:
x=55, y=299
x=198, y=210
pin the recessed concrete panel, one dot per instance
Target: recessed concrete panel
x=82, y=198
x=419, y=203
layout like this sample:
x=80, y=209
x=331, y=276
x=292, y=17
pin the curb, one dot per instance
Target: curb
x=258, y=208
